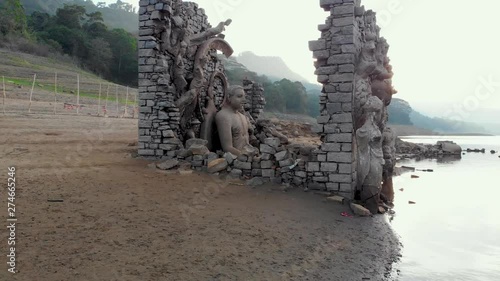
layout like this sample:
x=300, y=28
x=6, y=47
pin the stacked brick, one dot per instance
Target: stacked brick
x=255, y=98
x=333, y=165
x=158, y=114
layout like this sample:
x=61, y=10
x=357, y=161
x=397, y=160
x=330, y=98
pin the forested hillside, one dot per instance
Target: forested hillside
x=75, y=32
x=116, y=15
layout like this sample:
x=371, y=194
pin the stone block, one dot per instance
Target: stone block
x=301, y=174
x=323, y=119
x=242, y=165
x=146, y=68
x=346, y=68
x=316, y=186
x=343, y=10
x=323, y=54
x=340, y=178
x=331, y=147
x=347, y=147
x=313, y=167
x=344, y=21
x=343, y=77
x=266, y=164
x=340, y=157
x=345, y=187
x=217, y=165
x=320, y=179
x=345, y=168
x=326, y=70
x=146, y=152
x=264, y=148
x=336, y=199
x=347, y=107
x=323, y=79
x=333, y=108
x=343, y=39
x=317, y=45
x=273, y=142
x=332, y=186
x=342, y=59
x=322, y=158
x=146, y=53
x=146, y=32
x=341, y=118
x=348, y=49
x=328, y=167
x=268, y=173
x=280, y=156
x=286, y=163
x=339, y=97
x=342, y=137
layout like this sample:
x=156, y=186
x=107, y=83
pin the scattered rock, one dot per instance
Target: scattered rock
x=236, y=173
x=449, y=147
x=401, y=189
x=337, y=199
x=184, y=153
x=167, y=165
x=280, y=156
x=217, y=165
x=185, y=172
x=257, y=181
x=415, y=177
x=198, y=149
x=476, y=150
x=493, y=152
x=381, y=210
x=229, y=157
x=412, y=202
x=360, y=210
x=133, y=144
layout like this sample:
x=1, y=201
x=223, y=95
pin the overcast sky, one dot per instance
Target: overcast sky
x=440, y=50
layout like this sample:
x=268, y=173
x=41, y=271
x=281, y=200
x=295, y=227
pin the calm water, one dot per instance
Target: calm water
x=453, y=231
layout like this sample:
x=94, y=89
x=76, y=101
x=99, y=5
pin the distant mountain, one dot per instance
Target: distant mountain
x=113, y=16
x=401, y=113
x=273, y=67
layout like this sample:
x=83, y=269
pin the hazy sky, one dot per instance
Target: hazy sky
x=440, y=50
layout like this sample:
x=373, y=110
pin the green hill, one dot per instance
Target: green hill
x=115, y=16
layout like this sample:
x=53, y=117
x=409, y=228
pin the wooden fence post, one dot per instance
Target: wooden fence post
x=3, y=79
x=31, y=93
x=99, y=100
x=77, y=94
x=55, y=93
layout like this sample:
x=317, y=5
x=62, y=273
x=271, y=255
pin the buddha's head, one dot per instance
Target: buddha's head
x=236, y=97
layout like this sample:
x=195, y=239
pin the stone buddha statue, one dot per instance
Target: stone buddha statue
x=233, y=126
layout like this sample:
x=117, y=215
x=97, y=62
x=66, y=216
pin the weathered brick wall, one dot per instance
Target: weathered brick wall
x=335, y=53
x=158, y=114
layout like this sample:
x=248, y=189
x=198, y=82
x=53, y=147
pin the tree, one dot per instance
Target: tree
x=70, y=16
x=100, y=56
x=124, y=46
x=12, y=18
x=38, y=21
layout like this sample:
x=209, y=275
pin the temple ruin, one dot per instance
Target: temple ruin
x=183, y=87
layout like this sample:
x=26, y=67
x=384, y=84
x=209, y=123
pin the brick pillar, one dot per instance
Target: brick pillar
x=335, y=55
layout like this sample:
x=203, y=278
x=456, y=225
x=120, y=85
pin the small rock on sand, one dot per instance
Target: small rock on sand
x=360, y=210
x=217, y=165
x=167, y=165
x=337, y=199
